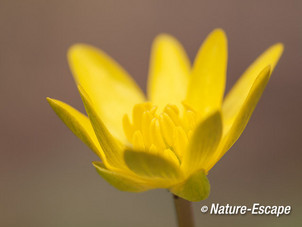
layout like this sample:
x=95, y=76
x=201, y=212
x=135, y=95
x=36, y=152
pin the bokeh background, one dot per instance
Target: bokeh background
x=46, y=176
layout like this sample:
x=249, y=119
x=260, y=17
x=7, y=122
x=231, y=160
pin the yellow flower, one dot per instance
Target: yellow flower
x=172, y=138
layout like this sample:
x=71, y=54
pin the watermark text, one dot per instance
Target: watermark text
x=255, y=209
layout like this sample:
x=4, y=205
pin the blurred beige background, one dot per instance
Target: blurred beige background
x=46, y=176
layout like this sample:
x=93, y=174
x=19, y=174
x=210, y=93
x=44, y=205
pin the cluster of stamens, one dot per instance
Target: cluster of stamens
x=167, y=132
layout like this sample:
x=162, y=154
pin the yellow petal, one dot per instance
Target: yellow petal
x=150, y=165
x=169, y=71
x=207, y=82
x=121, y=181
x=78, y=123
x=203, y=143
x=195, y=188
x=235, y=98
x=112, y=90
x=112, y=148
x=233, y=131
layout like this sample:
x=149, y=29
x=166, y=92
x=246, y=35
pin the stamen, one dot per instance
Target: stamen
x=156, y=136
x=138, y=141
x=147, y=118
x=173, y=113
x=180, y=141
x=167, y=126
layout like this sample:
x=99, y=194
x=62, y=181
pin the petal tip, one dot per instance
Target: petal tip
x=77, y=47
x=95, y=164
x=82, y=92
x=276, y=50
x=164, y=36
x=51, y=101
x=267, y=68
x=164, y=39
x=78, y=51
x=219, y=32
x=215, y=114
x=279, y=48
x=194, y=189
x=266, y=72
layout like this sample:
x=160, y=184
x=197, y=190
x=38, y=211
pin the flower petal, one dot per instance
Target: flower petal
x=194, y=189
x=150, y=165
x=78, y=123
x=112, y=148
x=207, y=82
x=112, y=90
x=236, y=97
x=121, y=181
x=203, y=143
x=233, y=131
x=169, y=71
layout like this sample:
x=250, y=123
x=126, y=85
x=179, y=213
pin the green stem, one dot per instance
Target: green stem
x=184, y=212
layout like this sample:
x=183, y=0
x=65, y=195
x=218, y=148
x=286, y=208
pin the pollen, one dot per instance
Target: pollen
x=167, y=131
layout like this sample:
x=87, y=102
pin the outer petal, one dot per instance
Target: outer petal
x=121, y=181
x=169, y=68
x=207, y=82
x=151, y=165
x=78, y=123
x=232, y=132
x=236, y=97
x=111, y=89
x=203, y=143
x=194, y=189
x=112, y=148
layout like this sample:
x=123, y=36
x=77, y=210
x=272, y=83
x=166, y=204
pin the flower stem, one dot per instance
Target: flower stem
x=184, y=212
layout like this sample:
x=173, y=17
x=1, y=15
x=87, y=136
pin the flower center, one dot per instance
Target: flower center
x=167, y=132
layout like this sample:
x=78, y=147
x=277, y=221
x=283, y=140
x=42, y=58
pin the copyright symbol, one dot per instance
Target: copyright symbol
x=204, y=209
